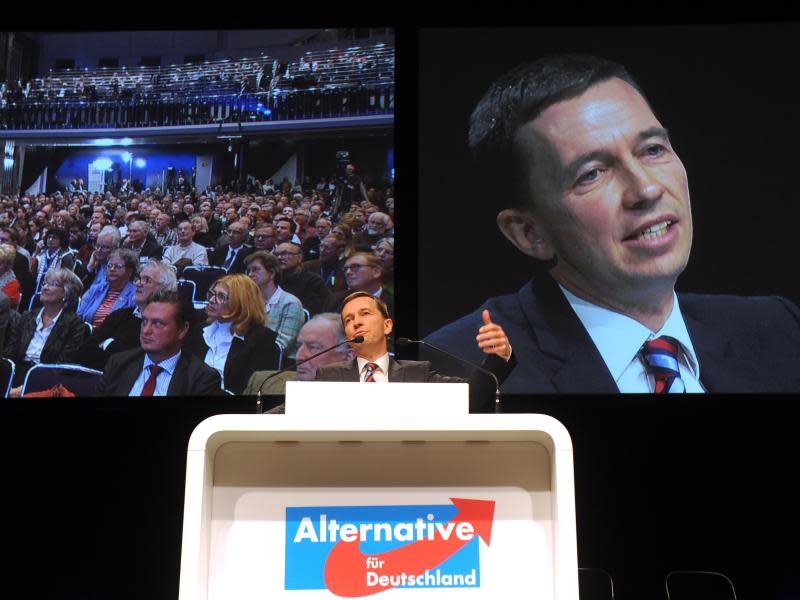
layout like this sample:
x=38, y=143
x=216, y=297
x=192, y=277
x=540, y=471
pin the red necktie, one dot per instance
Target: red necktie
x=150, y=384
x=371, y=367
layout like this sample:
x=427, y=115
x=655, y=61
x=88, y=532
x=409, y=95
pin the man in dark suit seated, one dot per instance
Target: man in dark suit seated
x=138, y=241
x=159, y=367
x=365, y=315
x=231, y=256
x=600, y=200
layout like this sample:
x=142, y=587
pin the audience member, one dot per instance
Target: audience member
x=320, y=332
x=159, y=367
x=308, y=287
x=284, y=311
x=231, y=256
x=186, y=250
x=50, y=333
x=235, y=340
x=8, y=281
x=116, y=292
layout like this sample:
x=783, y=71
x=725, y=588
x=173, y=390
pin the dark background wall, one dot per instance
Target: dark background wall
x=727, y=94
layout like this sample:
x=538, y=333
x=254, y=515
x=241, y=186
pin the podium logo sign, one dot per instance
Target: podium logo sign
x=356, y=551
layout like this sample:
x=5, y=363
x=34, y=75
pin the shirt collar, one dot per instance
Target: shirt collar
x=219, y=332
x=382, y=362
x=39, y=319
x=273, y=300
x=619, y=338
x=167, y=364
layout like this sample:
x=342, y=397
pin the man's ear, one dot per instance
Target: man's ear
x=524, y=231
x=388, y=324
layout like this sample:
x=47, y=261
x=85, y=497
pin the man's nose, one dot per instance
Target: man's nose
x=643, y=188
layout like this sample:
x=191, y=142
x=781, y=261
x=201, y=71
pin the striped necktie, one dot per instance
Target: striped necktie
x=370, y=372
x=661, y=361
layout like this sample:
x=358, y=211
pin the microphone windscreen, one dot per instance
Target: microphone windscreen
x=358, y=339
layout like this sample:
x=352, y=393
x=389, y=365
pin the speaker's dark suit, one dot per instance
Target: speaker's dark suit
x=218, y=256
x=742, y=344
x=258, y=351
x=481, y=386
x=192, y=377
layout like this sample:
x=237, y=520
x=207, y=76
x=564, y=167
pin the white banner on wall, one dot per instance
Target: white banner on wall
x=39, y=185
x=203, y=170
x=96, y=179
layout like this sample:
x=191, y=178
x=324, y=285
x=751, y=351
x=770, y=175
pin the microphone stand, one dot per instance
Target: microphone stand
x=405, y=341
x=260, y=407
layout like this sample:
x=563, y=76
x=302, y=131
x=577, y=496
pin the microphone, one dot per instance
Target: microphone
x=259, y=406
x=403, y=341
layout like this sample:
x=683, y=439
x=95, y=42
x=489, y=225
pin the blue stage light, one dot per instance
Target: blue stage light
x=126, y=141
x=140, y=163
x=102, y=163
x=127, y=156
x=267, y=111
x=103, y=142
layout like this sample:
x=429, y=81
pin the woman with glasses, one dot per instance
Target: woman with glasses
x=235, y=339
x=8, y=280
x=116, y=292
x=47, y=334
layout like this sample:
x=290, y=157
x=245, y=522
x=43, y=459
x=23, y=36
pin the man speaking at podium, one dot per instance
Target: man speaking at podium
x=599, y=198
x=366, y=316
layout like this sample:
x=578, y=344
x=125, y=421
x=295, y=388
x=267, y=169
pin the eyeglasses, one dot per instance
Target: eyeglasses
x=262, y=236
x=145, y=280
x=104, y=247
x=353, y=267
x=285, y=254
x=46, y=283
x=217, y=297
x=115, y=266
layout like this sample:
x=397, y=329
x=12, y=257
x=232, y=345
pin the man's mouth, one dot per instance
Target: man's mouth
x=652, y=232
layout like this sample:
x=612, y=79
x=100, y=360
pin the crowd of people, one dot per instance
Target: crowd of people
x=338, y=82
x=93, y=279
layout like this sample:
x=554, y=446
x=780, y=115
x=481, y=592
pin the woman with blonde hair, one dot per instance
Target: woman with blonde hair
x=8, y=281
x=235, y=340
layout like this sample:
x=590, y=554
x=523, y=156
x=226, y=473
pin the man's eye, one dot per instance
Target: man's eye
x=588, y=177
x=654, y=150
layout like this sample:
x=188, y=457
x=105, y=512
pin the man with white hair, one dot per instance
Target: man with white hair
x=108, y=240
x=320, y=332
x=120, y=329
x=138, y=241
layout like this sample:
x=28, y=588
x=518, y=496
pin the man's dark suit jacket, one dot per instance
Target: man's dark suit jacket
x=218, y=256
x=308, y=287
x=151, y=249
x=339, y=282
x=192, y=377
x=258, y=351
x=481, y=386
x=122, y=326
x=742, y=344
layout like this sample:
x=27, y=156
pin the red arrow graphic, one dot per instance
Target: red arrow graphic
x=346, y=567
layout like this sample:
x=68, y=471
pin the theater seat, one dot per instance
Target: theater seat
x=79, y=380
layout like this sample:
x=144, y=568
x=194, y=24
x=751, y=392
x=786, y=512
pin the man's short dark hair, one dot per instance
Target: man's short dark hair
x=292, y=224
x=518, y=97
x=184, y=311
x=379, y=304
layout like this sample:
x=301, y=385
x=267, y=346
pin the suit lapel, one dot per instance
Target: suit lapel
x=128, y=375
x=573, y=362
x=179, y=376
x=721, y=370
x=351, y=373
x=396, y=372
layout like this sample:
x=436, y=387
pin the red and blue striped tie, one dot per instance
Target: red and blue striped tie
x=370, y=371
x=661, y=360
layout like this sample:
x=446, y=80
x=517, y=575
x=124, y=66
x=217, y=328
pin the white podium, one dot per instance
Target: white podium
x=357, y=503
